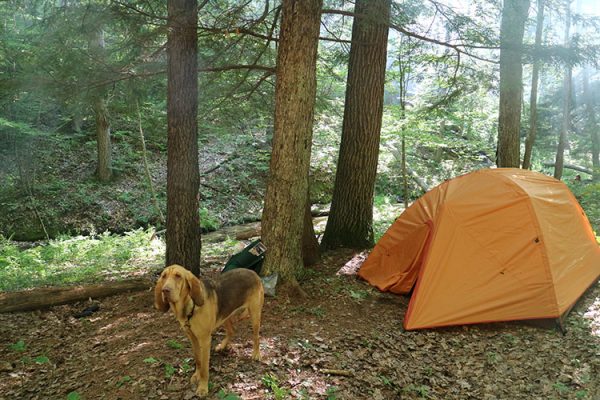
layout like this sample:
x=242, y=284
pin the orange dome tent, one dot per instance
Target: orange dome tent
x=493, y=245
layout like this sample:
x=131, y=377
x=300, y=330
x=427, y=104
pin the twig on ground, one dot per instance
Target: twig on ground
x=337, y=372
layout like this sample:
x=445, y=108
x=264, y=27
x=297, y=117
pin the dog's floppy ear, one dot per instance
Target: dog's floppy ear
x=195, y=289
x=159, y=302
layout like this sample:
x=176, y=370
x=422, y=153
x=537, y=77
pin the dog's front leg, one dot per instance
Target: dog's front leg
x=204, y=359
x=196, y=351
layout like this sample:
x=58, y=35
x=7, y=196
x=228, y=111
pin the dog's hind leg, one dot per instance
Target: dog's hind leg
x=229, y=332
x=255, y=314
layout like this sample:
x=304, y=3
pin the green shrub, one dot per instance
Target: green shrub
x=69, y=260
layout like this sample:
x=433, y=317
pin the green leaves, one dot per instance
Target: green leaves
x=174, y=344
x=123, y=380
x=271, y=382
x=358, y=295
x=74, y=396
x=95, y=257
x=20, y=128
x=169, y=370
x=41, y=360
x=18, y=346
x=331, y=392
x=223, y=395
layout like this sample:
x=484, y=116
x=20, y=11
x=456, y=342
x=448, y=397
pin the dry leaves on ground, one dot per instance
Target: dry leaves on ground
x=345, y=342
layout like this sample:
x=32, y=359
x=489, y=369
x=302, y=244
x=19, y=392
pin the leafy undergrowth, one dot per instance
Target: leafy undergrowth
x=588, y=196
x=100, y=257
x=56, y=192
x=79, y=259
x=128, y=350
x=87, y=259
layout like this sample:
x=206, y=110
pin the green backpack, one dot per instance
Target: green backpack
x=252, y=257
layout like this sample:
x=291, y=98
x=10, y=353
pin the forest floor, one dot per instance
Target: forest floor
x=128, y=350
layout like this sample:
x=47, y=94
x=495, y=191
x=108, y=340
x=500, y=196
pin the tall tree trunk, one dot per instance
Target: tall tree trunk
x=295, y=91
x=403, y=81
x=566, y=122
x=104, y=167
x=183, y=174
x=514, y=15
x=350, y=221
x=592, y=125
x=534, y=87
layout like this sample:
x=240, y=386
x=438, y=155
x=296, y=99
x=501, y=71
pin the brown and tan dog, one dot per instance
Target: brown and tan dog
x=201, y=306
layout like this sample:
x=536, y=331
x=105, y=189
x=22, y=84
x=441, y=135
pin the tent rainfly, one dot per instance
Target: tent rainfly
x=492, y=245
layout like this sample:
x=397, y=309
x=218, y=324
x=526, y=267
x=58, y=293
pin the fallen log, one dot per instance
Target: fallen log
x=245, y=231
x=415, y=177
x=570, y=166
x=238, y=232
x=35, y=299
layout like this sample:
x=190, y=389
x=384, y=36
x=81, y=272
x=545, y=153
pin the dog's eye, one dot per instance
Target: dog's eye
x=177, y=276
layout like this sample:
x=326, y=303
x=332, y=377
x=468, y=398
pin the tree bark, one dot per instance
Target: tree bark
x=592, y=125
x=183, y=174
x=350, y=222
x=295, y=91
x=104, y=167
x=514, y=15
x=36, y=299
x=534, y=88
x=566, y=122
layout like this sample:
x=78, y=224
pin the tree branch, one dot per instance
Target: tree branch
x=129, y=75
x=400, y=29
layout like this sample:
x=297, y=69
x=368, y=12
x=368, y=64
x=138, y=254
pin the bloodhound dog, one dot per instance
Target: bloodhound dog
x=201, y=306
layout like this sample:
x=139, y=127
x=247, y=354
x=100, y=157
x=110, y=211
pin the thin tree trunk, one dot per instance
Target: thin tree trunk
x=514, y=15
x=295, y=91
x=147, y=167
x=404, y=170
x=350, y=222
x=534, y=88
x=566, y=122
x=104, y=167
x=402, y=95
x=183, y=174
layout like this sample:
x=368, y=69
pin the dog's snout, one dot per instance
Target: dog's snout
x=166, y=289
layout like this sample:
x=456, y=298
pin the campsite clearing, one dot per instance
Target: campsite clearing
x=128, y=350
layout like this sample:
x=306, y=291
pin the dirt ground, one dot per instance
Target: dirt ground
x=128, y=350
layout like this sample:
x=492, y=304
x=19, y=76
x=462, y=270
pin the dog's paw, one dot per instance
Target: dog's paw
x=202, y=390
x=221, y=346
x=256, y=356
x=195, y=379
